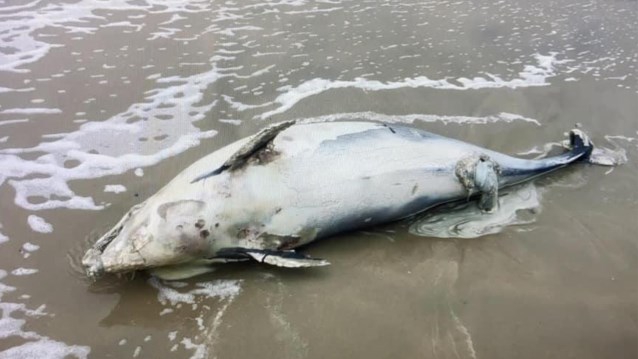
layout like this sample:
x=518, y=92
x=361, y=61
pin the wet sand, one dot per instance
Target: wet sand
x=99, y=93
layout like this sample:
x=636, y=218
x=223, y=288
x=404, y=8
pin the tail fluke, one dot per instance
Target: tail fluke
x=580, y=149
x=580, y=143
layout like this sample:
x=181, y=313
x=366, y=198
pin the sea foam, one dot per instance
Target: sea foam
x=177, y=294
x=531, y=75
x=20, y=24
x=33, y=345
x=112, y=146
x=38, y=224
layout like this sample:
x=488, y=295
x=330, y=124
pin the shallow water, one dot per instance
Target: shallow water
x=103, y=102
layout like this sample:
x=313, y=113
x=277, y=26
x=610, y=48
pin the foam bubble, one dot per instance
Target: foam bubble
x=3, y=238
x=231, y=122
x=10, y=122
x=604, y=156
x=241, y=106
x=411, y=118
x=24, y=271
x=30, y=247
x=215, y=289
x=38, y=224
x=53, y=349
x=166, y=311
x=199, y=350
x=530, y=76
x=31, y=111
x=114, y=188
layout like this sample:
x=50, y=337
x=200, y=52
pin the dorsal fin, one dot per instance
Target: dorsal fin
x=258, y=142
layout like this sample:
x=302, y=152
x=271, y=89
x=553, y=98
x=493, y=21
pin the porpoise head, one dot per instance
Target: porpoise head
x=151, y=235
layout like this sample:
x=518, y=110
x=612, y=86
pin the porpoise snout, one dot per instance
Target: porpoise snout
x=139, y=246
x=92, y=263
x=97, y=263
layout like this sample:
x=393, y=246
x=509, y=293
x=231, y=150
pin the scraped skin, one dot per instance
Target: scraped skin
x=261, y=197
x=479, y=174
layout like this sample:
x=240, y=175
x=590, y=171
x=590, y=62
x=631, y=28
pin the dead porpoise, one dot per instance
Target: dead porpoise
x=293, y=183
